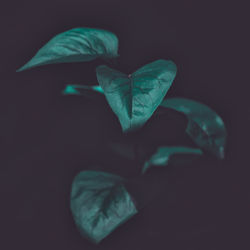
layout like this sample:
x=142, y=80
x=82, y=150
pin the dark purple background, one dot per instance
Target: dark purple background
x=46, y=139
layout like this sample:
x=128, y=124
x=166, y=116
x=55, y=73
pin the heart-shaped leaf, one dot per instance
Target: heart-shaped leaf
x=100, y=203
x=76, y=45
x=205, y=127
x=83, y=90
x=135, y=97
x=165, y=156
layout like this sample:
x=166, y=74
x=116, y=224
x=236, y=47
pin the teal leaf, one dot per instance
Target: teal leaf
x=205, y=127
x=83, y=90
x=76, y=45
x=135, y=97
x=168, y=155
x=99, y=204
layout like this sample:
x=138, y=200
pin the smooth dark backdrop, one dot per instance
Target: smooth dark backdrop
x=46, y=139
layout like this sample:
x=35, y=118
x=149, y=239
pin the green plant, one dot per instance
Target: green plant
x=99, y=200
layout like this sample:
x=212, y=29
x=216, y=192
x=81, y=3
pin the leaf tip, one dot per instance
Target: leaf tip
x=69, y=90
x=221, y=153
x=145, y=168
x=20, y=69
x=24, y=67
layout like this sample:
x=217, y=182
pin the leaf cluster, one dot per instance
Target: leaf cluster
x=100, y=201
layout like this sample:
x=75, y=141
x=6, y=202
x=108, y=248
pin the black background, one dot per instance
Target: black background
x=46, y=139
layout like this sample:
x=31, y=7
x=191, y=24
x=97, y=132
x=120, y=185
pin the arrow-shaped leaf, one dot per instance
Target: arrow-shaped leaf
x=165, y=156
x=100, y=203
x=205, y=127
x=76, y=45
x=135, y=97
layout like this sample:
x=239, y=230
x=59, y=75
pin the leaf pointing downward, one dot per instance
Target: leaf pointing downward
x=134, y=98
x=100, y=203
x=76, y=45
x=205, y=127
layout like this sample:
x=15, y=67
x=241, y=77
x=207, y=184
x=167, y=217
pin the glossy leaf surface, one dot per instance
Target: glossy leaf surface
x=76, y=45
x=99, y=204
x=165, y=156
x=205, y=127
x=135, y=97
